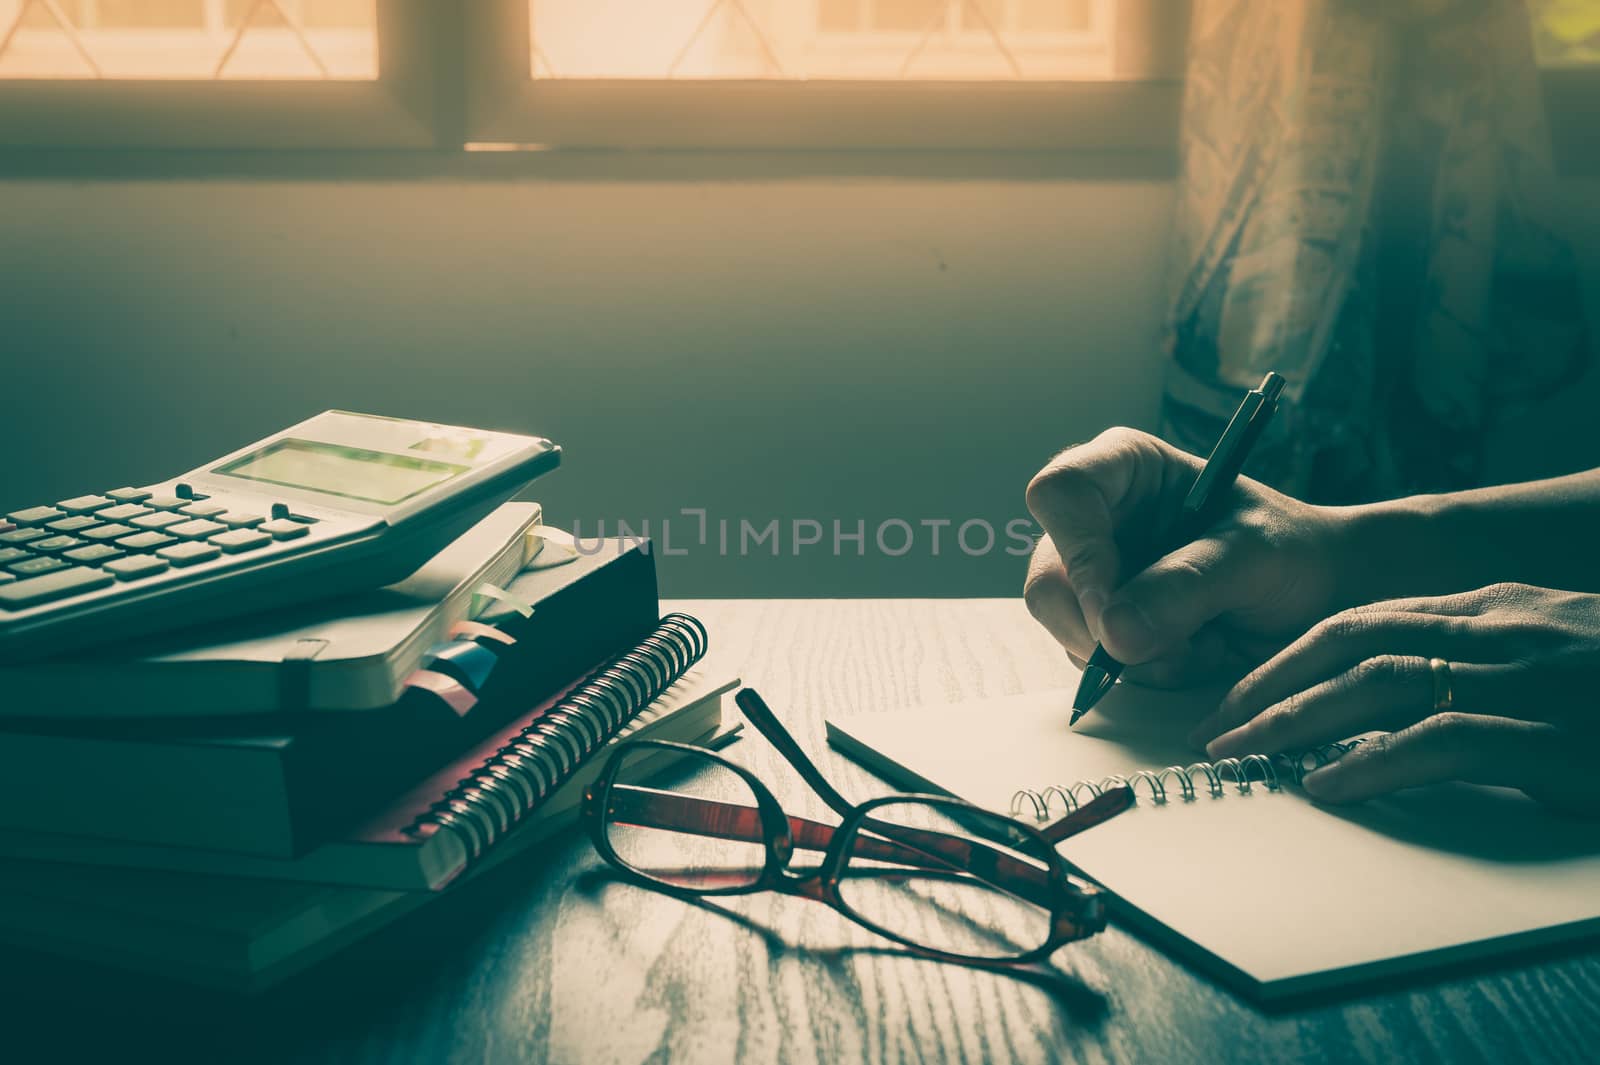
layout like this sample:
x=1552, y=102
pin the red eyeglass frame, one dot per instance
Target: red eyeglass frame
x=1076, y=908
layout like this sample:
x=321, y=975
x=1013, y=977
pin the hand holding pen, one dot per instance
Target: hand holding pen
x=1175, y=598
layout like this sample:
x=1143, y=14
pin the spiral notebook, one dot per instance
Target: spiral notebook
x=516, y=786
x=248, y=933
x=1237, y=869
x=509, y=784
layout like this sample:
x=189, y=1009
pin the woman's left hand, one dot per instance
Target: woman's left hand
x=1497, y=686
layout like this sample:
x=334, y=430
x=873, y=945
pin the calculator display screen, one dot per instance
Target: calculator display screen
x=338, y=470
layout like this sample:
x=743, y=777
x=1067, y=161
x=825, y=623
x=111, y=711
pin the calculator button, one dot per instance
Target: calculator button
x=283, y=529
x=92, y=554
x=107, y=532
x=53, y=586
x=203, y=510
x=234, y=519
x=188, y=554
x=6, y=526
x=159, y=520
x=22, y=536
x=74, y=523
x=237, y=540
x=56, y=544
x=11, y=554
x=35, y=515
x=167, y=502
x=198, y=529
x=123, y=512
x=128, y=495
x=35, y=566
x=83, y=504
x=145, y=541
x=6, y=578
x=135, y=566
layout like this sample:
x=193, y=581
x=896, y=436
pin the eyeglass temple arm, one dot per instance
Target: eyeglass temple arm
x=933, y=851
x=766, y=722
x=649, y=808
x=1100, y=809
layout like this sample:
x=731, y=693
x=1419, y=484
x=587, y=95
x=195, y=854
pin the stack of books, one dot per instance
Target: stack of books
x=229, y=806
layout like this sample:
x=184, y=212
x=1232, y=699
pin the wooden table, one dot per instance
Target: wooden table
x=551, y=959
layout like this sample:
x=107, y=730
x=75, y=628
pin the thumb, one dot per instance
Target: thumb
x=1160, y=609
x=1079, y=499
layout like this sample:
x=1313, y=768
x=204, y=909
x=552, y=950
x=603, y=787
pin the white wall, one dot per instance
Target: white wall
x=819, y=348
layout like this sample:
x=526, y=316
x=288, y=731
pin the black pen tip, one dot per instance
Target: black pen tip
x=1096, y=682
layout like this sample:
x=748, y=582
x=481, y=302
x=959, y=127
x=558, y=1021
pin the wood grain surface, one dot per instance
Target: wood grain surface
x=552, y=959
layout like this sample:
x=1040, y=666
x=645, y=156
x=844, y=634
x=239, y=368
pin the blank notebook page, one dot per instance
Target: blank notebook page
x=1282, y=895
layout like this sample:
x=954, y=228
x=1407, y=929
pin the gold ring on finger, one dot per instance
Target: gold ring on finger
x=1444, y=695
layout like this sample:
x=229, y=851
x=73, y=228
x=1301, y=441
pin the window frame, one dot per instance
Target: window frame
x=428, y=103
x=398, y=109
x=505, y=106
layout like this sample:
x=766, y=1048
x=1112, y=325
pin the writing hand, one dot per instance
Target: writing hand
x=1267, y=568
x=1524, y=694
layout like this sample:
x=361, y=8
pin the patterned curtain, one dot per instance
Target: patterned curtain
x=1362, y=208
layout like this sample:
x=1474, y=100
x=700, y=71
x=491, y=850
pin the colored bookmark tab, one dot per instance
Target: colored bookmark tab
x=477, y=630
x=486, y=592
x=451, y=691
x=471, y=662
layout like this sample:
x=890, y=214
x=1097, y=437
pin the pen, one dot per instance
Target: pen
x=1216, y=477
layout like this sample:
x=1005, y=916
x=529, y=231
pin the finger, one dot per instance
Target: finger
x=1053, y=603
x=1473, y=747
x=1202, y=657
x=1389, y=692
x=1338, y=644
x=1459, y=604
x=1155, y=612
x=1084, y=493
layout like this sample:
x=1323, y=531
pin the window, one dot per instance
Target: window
x=253, y=74
x=688, y=74
x=839, y=76
x=844, y=39
x=188, y=39
x=843, y=75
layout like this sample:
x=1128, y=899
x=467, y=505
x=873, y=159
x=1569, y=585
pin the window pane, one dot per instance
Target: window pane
x=126, y=14
x=909, y=14
x=852, y=39
x=1566, y=32
x=260, y=39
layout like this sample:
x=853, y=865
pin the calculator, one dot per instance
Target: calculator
x=337, y=503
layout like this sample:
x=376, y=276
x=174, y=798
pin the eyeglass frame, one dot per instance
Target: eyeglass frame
x=1076, y=908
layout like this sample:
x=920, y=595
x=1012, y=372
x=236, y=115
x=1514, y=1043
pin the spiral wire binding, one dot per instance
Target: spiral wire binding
x=492, y=799
x=1214, y=778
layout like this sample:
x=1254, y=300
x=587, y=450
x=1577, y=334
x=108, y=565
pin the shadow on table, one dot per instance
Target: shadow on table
x=1081, y=1003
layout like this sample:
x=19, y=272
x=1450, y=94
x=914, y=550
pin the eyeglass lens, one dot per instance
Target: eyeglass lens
x=981, y=893
x=713, y=844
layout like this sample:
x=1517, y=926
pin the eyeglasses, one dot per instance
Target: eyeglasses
x=943, y=877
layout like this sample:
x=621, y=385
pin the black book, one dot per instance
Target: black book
x=276, y=786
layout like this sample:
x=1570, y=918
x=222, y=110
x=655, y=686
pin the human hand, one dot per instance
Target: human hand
x=1523, y=696
x=1267, y=569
